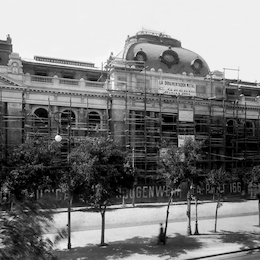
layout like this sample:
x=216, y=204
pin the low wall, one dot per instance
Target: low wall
x=153, y=194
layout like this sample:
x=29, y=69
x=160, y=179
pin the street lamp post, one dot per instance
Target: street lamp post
x=58, y=138
x=196, y=232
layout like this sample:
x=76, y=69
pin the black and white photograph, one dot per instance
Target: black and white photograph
x=129, y=129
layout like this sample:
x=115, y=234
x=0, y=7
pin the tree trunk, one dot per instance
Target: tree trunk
x=103, y=211
x=167, y=215
x=123, y=198
x=216, y=215
x=214, y=192
x=189, y=212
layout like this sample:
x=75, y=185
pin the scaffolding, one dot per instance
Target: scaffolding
x=1, y=128
x=227, y=124
x=142, y=119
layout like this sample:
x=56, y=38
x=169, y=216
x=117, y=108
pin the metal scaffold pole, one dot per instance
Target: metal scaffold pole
x=1, y=127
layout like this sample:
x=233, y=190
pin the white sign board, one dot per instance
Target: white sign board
x=170, y=87
x=182, y=138
x=186, y=115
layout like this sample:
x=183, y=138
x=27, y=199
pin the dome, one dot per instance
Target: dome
x=160, y=51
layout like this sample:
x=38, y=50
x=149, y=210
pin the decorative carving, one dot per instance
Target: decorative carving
x=15, y=65
x=8, y=38
x=55, y=96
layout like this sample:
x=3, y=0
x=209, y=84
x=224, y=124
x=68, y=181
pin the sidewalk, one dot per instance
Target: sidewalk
x=126, y=241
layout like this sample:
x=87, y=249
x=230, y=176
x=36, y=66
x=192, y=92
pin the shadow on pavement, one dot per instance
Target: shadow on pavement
x=210, y=234
x=150, y=206
x=245, y=239
x=175, y=246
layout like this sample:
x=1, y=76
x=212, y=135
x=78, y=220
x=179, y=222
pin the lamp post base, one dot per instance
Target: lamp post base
x=196, y=232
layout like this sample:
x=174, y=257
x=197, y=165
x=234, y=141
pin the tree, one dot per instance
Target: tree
x=192, y=153
x=171, y=173
x=216, y=179
x=252, y=177
x=179, y=164
x=99, y=171
x=31, y=166
x=22, y=229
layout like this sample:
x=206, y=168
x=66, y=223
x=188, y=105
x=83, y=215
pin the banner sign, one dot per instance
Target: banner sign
x=176, y=88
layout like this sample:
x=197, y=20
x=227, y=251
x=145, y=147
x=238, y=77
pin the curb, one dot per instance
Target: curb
x=227, y=253
x=143, y=205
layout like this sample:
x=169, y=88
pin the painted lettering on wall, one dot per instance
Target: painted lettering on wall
x=147, y=191
x=231, y=188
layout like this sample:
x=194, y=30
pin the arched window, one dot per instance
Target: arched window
x=41, y=117
x=93, y=120
x=68, y=118
x=140, y=56
x=249, y=128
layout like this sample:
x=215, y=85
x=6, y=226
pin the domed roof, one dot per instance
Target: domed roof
x=160, y=51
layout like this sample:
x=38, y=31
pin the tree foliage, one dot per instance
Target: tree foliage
x=99, y=170
x=31, y=166
x=179, y=164
x=253, y=175
x=22, y=232
x=216, y=178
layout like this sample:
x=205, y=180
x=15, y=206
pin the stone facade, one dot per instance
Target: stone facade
x=137, y=102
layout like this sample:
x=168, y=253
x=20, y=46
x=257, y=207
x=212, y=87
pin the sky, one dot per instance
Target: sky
x=226, y=33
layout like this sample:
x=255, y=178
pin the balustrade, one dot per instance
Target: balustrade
x=63, y=81
x=41, y=79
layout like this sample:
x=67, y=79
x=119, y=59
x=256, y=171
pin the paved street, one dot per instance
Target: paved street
x=145, y=214
x=131, y=232
x=245, y=255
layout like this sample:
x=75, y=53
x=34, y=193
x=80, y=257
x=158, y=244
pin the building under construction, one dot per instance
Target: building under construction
x=154, y=90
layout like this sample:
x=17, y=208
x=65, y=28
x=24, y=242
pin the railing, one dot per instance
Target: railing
x=252, y=99
x=94, y=84
x=41, y=79
x=69, y=82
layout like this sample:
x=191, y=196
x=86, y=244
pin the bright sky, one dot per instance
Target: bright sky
x=226, y=33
